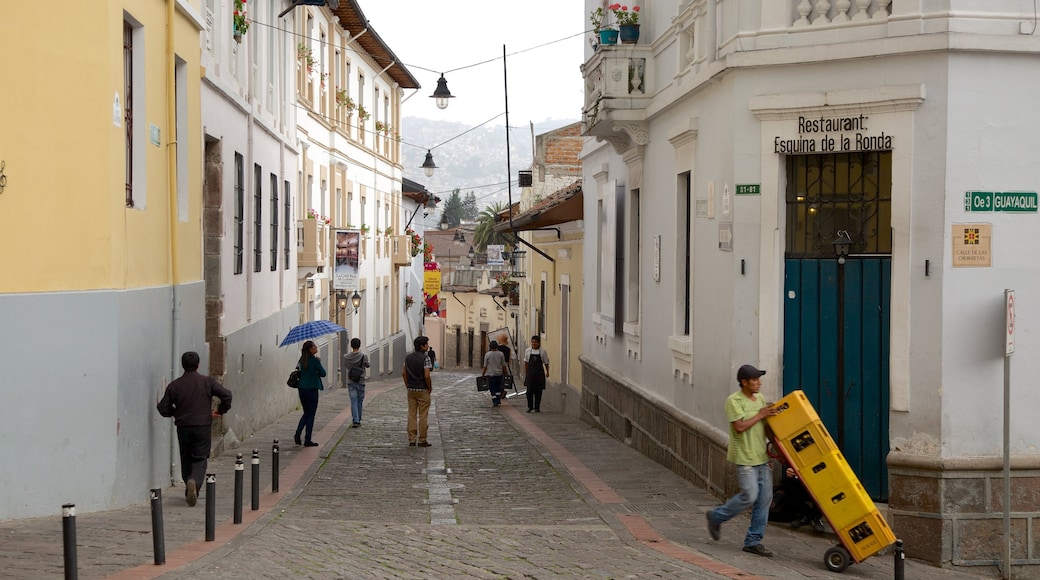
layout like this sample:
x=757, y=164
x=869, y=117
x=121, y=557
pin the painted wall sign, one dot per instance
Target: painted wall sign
x=834, y=134
x=749, y=189
x=971, y=245
x=1003, y=201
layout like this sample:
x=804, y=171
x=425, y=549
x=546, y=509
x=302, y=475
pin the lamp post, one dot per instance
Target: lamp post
x=338, y=306
x=355, y=301
x=841, y=249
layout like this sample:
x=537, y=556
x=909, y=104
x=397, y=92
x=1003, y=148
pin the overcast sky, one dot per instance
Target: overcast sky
x=544, y=83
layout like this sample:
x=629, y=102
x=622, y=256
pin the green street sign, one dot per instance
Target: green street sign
x=1002, y=201
x=749, y=189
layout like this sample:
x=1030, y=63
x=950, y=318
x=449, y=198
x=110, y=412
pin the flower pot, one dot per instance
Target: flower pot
x=238, y=38
x=629, y=33
x=608, y=36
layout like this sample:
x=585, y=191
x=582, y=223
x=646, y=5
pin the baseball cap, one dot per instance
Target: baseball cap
x=748, y=372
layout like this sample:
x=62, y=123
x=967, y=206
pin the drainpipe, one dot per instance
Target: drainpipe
x=713, y=31
x=171, y=169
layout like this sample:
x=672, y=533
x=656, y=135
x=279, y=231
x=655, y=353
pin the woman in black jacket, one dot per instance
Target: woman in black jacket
x=311, y=372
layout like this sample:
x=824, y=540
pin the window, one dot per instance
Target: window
x=240, y=208
x=541, y=308
x=632, y=288
x=258, y=211
x=285, y=228
x=274, y=222
x=682, y=210
x=132, y=65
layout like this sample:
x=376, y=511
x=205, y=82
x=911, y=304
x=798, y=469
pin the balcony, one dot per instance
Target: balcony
x=401, y=250
x=618, y=85
x=312, y=243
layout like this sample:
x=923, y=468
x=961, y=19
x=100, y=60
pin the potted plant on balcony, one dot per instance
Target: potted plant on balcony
x=343, y=100
x=363, y=114
x=628, y=22
x=510, y=287
x=408, y=301
x=241, y=23
x=365, y=229
x=306, y=55
x=605, y=34
x=415, y=241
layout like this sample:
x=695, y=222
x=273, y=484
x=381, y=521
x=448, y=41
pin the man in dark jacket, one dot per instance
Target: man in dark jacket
x=189, y=400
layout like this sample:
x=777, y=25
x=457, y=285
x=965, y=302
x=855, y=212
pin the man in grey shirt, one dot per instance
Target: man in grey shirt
x=356, y=363
x=494, y=368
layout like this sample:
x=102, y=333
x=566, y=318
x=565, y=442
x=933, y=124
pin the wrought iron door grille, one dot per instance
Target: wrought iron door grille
x=840, y=191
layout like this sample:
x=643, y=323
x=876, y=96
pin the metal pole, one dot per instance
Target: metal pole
x=1006, y=573
x=211, y=507
x=158, y=541
x=68, y=536
x=841, y=356
x=900, y=560
x=274, y=467
x=256, y=480
x=240, y=473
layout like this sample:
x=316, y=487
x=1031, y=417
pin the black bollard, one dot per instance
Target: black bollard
x=211, y=507
x=158, y=540
x=240, y=474
x=900, y=557
x=68, y=536
x=274, y=467
x=256, y=480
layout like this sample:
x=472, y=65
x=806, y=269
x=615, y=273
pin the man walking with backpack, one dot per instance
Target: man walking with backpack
x=356, y=363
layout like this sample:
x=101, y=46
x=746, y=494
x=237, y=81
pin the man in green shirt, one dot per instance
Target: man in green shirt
x=745, y=411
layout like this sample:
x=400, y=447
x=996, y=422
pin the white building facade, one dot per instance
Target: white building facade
x=249, y=229
x=733, y=152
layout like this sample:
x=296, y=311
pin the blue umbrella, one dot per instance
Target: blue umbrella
x=309, y=330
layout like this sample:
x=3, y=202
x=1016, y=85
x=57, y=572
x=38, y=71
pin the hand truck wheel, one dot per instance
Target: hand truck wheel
x=837, y=559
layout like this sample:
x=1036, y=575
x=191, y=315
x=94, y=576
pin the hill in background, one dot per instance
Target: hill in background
x=471, y=159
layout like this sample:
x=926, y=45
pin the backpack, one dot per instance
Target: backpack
x=294, y=379
x=355, y=374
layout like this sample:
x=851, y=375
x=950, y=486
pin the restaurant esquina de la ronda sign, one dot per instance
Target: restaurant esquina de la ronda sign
x=832, y=135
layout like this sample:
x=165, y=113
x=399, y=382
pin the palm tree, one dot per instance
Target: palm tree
x=484, y=234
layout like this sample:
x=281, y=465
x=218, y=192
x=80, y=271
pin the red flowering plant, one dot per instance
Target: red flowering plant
x=239, y=18
x=427, y=251
x=415, y=240
x=623, y=15
x=313, y=215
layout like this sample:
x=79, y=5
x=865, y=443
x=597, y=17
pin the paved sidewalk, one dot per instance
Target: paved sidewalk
x=501, y=494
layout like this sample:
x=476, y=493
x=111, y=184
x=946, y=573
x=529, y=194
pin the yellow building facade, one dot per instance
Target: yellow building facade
x=100, y=244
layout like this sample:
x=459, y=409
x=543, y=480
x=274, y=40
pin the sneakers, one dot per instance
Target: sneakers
x=818, y=527
x=192, y=492
x=759, y=550
x=411, y=443
x=355, y=425
x=424, y=444
x=713, y=528
x=800, y=521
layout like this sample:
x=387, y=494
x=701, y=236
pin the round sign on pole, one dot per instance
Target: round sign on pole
x=1009, y=318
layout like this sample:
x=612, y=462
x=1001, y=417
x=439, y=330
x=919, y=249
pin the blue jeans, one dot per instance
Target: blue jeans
x=495, y=386
x=756, y=492
x=357, y=398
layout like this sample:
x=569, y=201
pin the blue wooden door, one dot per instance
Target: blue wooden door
x=843, y=369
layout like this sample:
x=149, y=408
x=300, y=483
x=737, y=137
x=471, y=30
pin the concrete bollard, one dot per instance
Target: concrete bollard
x=211, y=507
x=68, y=536
x=274, y=467
x=239, y=483
x=256, y=480
x=158, y=539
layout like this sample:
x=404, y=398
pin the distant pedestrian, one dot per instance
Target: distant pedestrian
x=494, y=369
x=311, y=373
x=536, y=371
x=745, y=411
x=356, y=363
x=189, y=400
x=417, y=379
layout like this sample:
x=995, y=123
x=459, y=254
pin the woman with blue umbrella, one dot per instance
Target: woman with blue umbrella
x=311, y=373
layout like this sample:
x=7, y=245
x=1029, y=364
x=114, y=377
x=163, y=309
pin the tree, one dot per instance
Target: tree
x=469, y=207
x=484, y=234
x=453, y=210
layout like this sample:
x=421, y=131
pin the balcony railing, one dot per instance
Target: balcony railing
x=618, y=85
x=312, y=242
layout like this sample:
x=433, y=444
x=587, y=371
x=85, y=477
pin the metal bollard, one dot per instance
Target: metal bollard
x=274, y=467
x=900, y=557
x=256, y=480
x=68, y=536
x=158, y=540
x=240, y=473
x=211, y=507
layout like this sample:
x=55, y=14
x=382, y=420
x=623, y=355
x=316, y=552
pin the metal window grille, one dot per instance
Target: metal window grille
x=274, y=222
x=285, y=228
x=258, y=214
x=240, y=208
x=128, y=108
